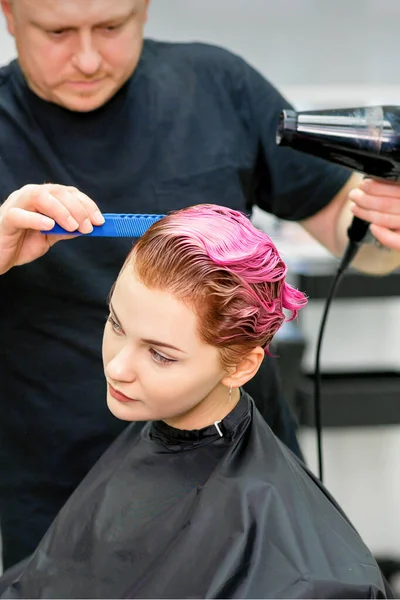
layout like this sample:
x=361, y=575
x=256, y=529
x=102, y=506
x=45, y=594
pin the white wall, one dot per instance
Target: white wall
x=293, y=41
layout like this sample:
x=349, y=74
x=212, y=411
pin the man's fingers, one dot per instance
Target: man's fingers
x=390, y=239
x=92, y=208
x=380, y=203
x=78, y=212
x=377, y=218
x=17, y=220
x=380, y=188
x=68, y=206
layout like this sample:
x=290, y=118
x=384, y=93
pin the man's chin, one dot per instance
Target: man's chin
x=83, y=105
x=79, y=102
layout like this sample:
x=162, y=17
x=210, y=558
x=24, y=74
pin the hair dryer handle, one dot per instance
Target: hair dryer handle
x=357, y=230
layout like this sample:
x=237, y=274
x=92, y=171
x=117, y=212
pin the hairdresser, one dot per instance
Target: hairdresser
x=118, y=124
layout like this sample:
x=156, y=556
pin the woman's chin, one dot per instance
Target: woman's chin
x=126, y=411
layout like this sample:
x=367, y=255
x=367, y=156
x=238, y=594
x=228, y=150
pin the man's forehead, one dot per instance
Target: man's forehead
x=78, y=10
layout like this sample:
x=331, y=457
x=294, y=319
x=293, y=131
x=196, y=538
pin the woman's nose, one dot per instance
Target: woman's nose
x=121, y=366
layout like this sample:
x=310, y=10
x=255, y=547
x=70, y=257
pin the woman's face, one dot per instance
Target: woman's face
x=155, y=363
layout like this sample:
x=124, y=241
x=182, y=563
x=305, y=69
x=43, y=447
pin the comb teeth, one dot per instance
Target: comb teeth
x=131, y=226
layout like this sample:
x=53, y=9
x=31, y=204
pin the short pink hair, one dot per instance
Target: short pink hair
x=214, y=259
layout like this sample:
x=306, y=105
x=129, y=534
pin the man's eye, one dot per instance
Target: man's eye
x=112, y=27
x=57, y=32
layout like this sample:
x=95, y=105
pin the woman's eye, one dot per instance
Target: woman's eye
x=162, y=360
x=117, y=328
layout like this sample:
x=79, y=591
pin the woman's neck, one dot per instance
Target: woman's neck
x=214, y=407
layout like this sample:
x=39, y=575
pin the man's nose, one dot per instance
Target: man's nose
x=87, y=57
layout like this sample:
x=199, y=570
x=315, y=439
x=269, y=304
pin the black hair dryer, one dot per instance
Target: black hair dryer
x=365, y=139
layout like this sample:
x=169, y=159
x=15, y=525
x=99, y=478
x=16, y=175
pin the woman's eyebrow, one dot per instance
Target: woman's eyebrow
x=110, y=306
x=162, y=344
x=147, y=341
x=110, y=293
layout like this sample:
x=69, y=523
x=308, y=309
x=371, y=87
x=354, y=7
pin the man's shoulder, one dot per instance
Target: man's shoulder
x=195, y=55
x=5, y=74
x=10, y=107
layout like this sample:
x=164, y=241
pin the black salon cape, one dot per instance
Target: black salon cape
x=167, y=513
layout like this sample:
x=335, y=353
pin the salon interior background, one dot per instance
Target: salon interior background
x=319, y=53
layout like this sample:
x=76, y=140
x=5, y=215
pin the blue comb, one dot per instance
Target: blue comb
x=115, y=225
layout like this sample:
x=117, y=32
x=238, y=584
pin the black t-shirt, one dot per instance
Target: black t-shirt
x=194, y=124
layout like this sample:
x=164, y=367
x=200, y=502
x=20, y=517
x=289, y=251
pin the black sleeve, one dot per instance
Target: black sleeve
x=288, y=183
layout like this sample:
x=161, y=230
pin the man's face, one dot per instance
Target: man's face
x=77, y=53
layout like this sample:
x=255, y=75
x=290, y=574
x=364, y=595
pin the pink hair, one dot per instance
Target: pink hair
x=213, y=258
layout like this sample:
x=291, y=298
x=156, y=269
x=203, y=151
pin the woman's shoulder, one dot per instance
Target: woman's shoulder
x=294, y=525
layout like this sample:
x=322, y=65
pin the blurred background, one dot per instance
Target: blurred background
x=323, y=54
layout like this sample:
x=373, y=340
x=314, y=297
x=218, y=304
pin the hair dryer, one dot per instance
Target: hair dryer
x=365, y=139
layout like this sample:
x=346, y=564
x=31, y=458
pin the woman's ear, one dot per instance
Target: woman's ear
x=245, y=369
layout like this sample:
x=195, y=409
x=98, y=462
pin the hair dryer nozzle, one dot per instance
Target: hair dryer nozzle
x=287, y=126
x=365, y=139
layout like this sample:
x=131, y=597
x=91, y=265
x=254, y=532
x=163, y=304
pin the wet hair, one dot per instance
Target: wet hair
x=227, y=270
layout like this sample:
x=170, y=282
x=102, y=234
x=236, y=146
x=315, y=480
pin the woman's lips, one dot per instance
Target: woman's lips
x=118, y=396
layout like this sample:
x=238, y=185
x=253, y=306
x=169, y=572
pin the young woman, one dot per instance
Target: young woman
x=197, y=498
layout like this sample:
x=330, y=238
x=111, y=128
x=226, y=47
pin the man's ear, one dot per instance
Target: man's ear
x=245, y=369
x=147, y=2
x=6, y=7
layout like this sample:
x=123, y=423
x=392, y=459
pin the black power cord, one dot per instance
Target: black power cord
x=356, y=234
